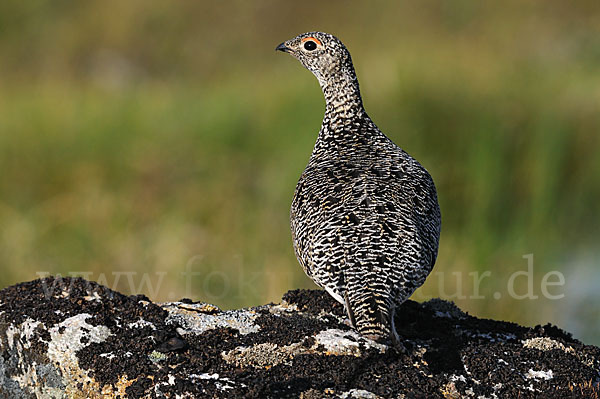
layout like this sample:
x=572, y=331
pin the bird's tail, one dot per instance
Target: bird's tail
x=372, y=314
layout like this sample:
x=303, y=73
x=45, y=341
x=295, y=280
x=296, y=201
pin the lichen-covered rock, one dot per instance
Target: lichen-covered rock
x=71, y=338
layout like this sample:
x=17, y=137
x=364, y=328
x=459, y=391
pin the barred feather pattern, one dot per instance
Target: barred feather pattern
x=365, y=218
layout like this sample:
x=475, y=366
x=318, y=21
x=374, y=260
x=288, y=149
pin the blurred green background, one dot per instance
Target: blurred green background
x=140, y=140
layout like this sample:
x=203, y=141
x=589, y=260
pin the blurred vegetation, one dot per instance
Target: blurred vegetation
x=159, y=137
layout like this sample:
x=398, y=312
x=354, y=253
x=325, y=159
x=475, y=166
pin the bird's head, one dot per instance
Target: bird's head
x=322, y=54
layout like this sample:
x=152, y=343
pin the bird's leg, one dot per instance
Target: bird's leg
x=398, y=346
x=349, y=310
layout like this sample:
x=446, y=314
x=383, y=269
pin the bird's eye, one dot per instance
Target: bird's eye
x=310, y=45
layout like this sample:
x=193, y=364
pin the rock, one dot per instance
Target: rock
x=72, y=338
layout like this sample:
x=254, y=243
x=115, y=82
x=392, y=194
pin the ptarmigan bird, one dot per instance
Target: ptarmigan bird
x=365, y=217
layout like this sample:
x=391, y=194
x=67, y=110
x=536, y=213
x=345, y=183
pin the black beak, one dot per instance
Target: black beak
x=283, y=48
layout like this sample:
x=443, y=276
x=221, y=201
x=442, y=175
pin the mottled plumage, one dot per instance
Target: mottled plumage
x=365, y=217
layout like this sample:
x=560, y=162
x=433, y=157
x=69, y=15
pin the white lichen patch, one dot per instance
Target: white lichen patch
x=263, y=355
x=21, y=333
x=141, y=323
x=65, y=340
x=170, y=382
x=545, y=344
x=339, y=342
x=331, y=342
x=539, y=375
x=358, y=394
x=460, y=378
x=192, y=321
x=284, y=307
x=66, y=337
x=18, y=341
x=222, y=383
x=94, y=297
x=198, y=307
x=171, y=379
x=205, y=376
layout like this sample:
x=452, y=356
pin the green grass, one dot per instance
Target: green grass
x=131, y=143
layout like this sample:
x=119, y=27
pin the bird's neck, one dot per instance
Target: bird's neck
x=343, y=127
x=343, y=103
